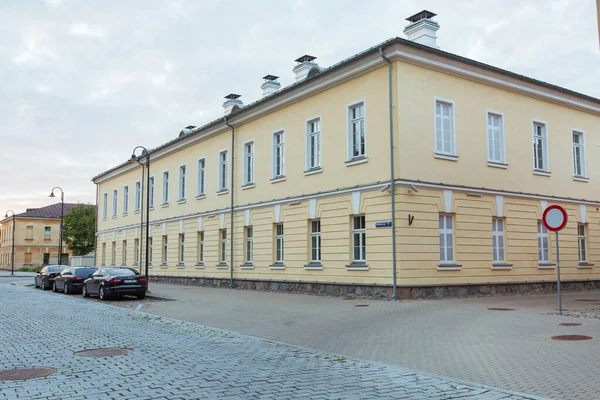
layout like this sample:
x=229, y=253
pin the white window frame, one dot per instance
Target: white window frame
x=105, y=205
x=151, y=199
x=498, y=241
x=138, y=195
x=315, y=241
x=223, y=246
x=350, y=157
x=201, y=169
x=249, y=245
x=181, y=248
x=114, y=253
x=542, y=234
x=125, y=199
x=502, y=140
x=275, y=150
x=446, y=232
x=165, y=249
x=182, y=182
x=546, y=165
x=104, y=253
x=115, y=202
x=124, y=250
x=452, y=104
x=136, y=248
x=223, y=168
x=165, y=187
x=318, y=144
x=359, y=240
x=279, y=243
x=249, y=163
x=582, y=251
x=581, y=146
x=200, y=250
x=149, y=250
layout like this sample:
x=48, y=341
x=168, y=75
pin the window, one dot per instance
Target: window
x=200, y=248
x=47, y=233
x=223, y=247
x=542, y=244
x=444, y=128
x=103, y=253
x=151, y=199
x=498, y=240
x=579, y=169
x=582, y=243
x=165, y=249
x=249, y=245
x=29, y=233
x=359, y=239
x=223, y=171
x=540, y=147
x=278, y=155
x=356, y=131
x=315, y=241
x=182, y=182
x=165, y=198
x=115, y=203
x=279, y=243
x=446, y=239
x=313, y=144
x=138, y=196
x=105, y=206
x=495, y=133
x=124, y=252
x=181, y=248
x=136, y=249
x=114, y=253
x=249, y=163
x=125, y=199
x=201, y=176
x=28, y=258
x=149, y=250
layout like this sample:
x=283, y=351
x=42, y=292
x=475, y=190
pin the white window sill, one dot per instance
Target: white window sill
x=247, y=266
x=182, y=201
x=222, y=266
x=201, y=196
x=114, y=217
x=541, y=172
x=312, y=171
x=357, y=266
x=136, y=211
x=103, y=218
x=278, y=179
x=495, y=164
x=199, y=266
x=151, y=208
x=180, y=266
x=502, y=266
x=585, y=265
x=581, y=178
x=314, y=265
x=277, y=266
x=248, y=186
x=546, y=266
x=150, y=265
x=357, y=160
x=164, y=266
x=449, y=267
x=222, y=191
x=163, y=205
x=449, y=157
x=124, y=214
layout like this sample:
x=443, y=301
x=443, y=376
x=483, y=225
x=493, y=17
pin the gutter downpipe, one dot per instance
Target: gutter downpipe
x=392, y=178
x=232, y=190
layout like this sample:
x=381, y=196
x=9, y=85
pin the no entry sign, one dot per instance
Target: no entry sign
x=554, y=218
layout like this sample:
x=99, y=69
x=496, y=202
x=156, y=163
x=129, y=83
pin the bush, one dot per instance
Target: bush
x=31, y=269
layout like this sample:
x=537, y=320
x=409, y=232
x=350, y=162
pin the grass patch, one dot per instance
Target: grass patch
x=30, y=269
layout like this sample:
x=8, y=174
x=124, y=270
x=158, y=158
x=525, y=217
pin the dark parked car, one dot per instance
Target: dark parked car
x=71, y=279
x=107, y=282
x=45, y=279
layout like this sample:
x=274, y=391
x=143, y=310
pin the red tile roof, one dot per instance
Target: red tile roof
x=51, y=211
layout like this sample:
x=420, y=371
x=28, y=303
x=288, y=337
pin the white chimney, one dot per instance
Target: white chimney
x=270, y=85
x=306, y=68
x=232, y=103
x=422, y=28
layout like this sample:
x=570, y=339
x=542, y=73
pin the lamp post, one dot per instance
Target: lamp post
x=62, y=211
x=12, y=254
x=137, y=159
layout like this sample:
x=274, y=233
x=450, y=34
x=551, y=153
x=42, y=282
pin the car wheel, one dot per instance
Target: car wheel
x=102, y=293
x=35, y=283
x=42, y=285
x=84, y=291
x=54, y=289
x=141, y=296
x=66, y=288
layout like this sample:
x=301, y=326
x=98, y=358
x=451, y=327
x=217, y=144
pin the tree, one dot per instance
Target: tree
x=79, y=229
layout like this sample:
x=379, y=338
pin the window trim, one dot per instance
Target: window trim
x=453, y=154
x=164, y=250
x=308, y=169
x=274, y=176
x=151, y=187
x=124, y=252
x=277, y=238
x=502, y=163
x=182, y=179
x=362, y=232
x=200, y=249
x=181, y=250
x=138, y=196
x=200, y=194
x=125, y=199
x=312, y=234
x=248, y=246
x=165, y=193
x=224, y=189
x=546, y=169
x=222, y=248
x=496, y=234
x=584, y=171
x=445, y=264
x=105, y=205
x=543, y=263
x=350, y=159
x=245, y=181
x=115, y=203
x=585, y=238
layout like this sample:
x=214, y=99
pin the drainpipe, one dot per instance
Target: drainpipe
x=95, y=228
x=232, y=190
x=392, y=178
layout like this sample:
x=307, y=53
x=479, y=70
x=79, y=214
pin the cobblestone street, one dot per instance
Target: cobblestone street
x=179, y=360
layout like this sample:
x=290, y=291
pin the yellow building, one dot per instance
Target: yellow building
x=479, y=153
x=37, y=237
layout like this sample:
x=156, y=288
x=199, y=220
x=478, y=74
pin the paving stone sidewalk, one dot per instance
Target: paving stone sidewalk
x=172, y=359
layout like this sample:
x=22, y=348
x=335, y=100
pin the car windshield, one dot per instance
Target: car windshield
x=84, y=271
x=53, y=270
x=120, y=272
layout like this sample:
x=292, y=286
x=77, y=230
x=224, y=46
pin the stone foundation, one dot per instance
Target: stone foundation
x=384, y=292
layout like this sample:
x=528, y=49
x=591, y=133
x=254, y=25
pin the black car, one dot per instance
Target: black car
x=107, y=282
x=71, y=279
x=45, y=279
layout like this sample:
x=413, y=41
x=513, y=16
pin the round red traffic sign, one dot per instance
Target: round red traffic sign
x=554, y=218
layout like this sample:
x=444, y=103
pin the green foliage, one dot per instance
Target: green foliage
x=79, y=229
x=31, y=269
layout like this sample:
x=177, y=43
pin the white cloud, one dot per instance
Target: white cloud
x=83, y=29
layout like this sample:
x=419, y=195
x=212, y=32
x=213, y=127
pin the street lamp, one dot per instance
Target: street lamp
x=12, y=255
x=62, y=211
x=140, y=161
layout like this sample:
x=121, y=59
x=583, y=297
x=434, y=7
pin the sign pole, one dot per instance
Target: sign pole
x=558, y=277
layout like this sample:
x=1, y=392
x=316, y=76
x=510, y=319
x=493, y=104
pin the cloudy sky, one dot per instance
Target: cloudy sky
x=83, y=82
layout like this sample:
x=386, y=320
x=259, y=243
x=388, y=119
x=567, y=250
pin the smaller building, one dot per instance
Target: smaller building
x=36, y=235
